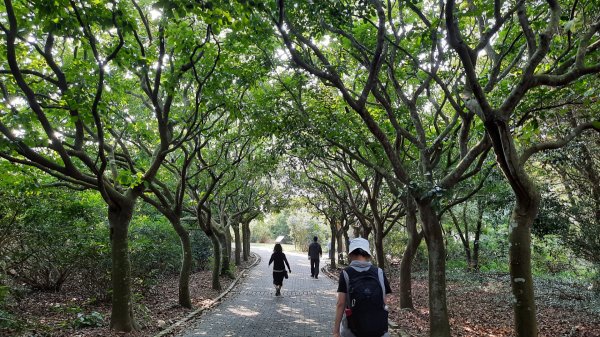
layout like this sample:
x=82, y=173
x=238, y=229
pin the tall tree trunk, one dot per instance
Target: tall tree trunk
x=593, y=176
x=469, y=258
x=333, y=228
x=246, y=239
x=379, y=246
x=414, y=240
x=525, y=211
x=228, y=241
x=366, y=232
x=238, y=244
x=217, y=256
x=225, y=258
x=439, y=325
x=342, y=248
x=186, y=264
x=464, y=237
x=521, y=278
x=475, y=261
x=119, y=217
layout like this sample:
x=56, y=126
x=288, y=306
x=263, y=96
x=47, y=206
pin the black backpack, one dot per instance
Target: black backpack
x=365, y=295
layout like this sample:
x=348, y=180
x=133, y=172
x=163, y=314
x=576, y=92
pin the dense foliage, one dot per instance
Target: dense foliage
x=141, y=139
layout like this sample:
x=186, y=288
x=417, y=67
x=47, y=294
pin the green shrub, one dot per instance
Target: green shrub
x=91, y=320
x=51, y=236
x=395, y=243
x=201, y=250
x=9, y=323
x=457, y=264
x=550, y=256
x=4, y=294
x=260, y=231
x=154, y=247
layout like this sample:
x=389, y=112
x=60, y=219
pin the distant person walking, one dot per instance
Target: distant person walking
x=314, y=254
x=363, y=290
x=279, y=273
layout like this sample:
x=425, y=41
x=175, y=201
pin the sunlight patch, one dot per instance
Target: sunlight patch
x=243, y=311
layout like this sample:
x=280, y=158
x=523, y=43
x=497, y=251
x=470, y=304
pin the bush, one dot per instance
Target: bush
x=91, y=320
x=550, y=256
x=260, y=231
x=493, y=254
x=51, y=235
x=304, y=226
x=395, y=242
x=269, y=228
x=9, y=323
x=201, y=250
x=7, y=320
x=154, y=247
x=55, y=235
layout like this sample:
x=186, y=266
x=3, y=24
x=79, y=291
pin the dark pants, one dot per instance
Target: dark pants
x=278, y=278
x=314, y=267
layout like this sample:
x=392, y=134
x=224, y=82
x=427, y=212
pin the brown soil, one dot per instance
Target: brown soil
x=480, y=306
x=52, y=314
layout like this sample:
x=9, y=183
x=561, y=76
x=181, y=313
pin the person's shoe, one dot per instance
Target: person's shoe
x=313, y=276
x=277, y=292
x=316, y=277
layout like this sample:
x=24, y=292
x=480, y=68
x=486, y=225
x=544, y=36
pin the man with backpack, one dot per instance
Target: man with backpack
x=362, y=290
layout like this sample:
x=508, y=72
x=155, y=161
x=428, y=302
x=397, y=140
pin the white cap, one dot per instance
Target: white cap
x=359, y=243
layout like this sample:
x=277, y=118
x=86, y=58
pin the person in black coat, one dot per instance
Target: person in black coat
x=314, y=254
x=279, y=262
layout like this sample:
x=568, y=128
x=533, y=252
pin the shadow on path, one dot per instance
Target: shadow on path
x=306, y=307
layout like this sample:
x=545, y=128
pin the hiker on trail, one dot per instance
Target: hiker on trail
x=314, y=254
x=363, y=290
x=278, y=259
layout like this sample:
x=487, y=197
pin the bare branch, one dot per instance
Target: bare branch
x=556, y=144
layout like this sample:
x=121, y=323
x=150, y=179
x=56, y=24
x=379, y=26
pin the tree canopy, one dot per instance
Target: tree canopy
x=398, y=121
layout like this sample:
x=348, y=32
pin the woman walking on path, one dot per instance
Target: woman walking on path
x=278, y=259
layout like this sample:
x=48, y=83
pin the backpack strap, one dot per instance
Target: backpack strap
x=382, y=282
x=347, y=279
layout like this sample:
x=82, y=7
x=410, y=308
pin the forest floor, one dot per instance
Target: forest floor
x=55, y=313
x=479, y=305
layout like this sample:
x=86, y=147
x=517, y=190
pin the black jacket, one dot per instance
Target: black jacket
x=278, y=260
x=314, y=250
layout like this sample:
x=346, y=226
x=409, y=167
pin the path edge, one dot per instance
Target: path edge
x=213, y=302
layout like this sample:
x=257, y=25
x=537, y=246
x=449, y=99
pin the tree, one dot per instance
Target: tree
x=576, y=218
x=557, y=58
x=170, y=201
x=213, y=169
x=324, y=197
x=83, y=81
x=405, y=98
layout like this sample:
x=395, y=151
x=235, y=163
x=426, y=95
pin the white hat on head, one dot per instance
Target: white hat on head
x=359, y=243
